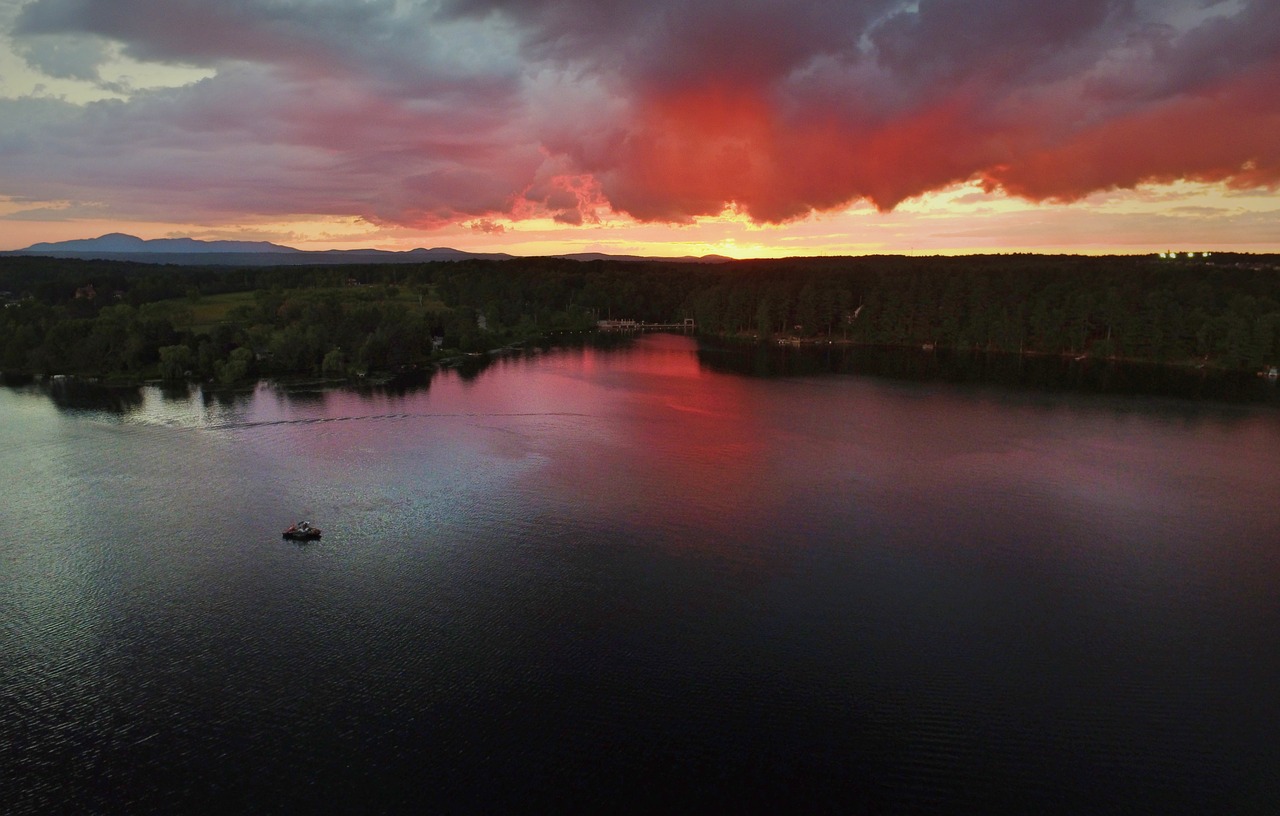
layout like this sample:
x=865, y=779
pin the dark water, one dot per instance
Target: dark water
x=634, y=577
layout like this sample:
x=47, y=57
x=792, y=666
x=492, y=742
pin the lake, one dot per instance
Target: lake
x=649, y=575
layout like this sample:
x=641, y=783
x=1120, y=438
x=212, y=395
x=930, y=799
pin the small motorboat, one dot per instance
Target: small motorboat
x=302, y=531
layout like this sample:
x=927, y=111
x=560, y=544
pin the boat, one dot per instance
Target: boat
x=302, y=531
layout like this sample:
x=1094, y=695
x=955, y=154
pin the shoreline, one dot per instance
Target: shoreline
x=460, y=362
x=1195, y=364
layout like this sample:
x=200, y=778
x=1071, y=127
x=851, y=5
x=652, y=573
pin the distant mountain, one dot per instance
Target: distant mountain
x=119, y=242
x=604, y=256
x=188, y=252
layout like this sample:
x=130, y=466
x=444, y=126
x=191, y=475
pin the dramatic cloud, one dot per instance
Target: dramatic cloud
x=425, y=113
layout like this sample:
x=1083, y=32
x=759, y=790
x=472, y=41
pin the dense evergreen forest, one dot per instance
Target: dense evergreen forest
x=135, y=321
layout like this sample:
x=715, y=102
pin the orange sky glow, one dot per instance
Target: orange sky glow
x=758, y=129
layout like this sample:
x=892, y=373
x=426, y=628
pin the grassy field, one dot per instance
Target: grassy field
x=206, y=312
x=209, y=310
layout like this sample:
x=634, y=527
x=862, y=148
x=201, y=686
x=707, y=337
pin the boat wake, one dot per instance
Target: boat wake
x=267, y=423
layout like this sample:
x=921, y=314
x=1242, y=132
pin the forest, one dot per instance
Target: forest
x=132, y=321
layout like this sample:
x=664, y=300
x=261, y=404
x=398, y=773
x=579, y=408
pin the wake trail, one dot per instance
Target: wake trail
x=267, y=423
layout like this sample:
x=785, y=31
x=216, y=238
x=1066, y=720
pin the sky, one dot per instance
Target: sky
x=747, y=128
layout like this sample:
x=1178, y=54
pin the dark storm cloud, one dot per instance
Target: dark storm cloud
x=422, y=113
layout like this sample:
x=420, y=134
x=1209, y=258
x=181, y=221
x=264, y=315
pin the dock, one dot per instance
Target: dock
x=639, y=325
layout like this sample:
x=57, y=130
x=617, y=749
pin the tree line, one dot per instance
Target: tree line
x=136, y=321
x=1222, y=311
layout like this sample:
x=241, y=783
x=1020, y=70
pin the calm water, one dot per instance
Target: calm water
x=595, y=578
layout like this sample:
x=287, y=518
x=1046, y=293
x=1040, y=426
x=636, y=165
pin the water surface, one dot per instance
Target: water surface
x=591, y=577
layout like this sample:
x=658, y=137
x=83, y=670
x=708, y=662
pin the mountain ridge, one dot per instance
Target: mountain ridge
x=120, y=246
x=122, y=242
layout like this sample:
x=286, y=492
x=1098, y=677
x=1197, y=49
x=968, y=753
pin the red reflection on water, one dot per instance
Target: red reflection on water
x=617, y=432
x=663, y=433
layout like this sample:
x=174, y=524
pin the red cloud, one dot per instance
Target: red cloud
x=1048, y=101
x=691, y=152
x=1229, y=133
x=665, y=110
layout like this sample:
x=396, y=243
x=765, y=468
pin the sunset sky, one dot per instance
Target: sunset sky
x=670, y=127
